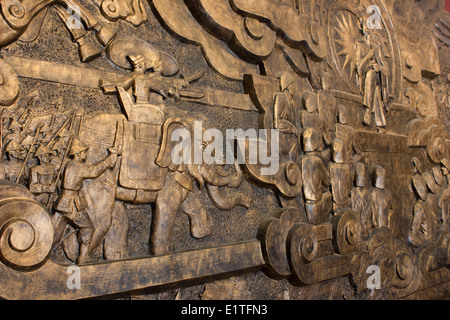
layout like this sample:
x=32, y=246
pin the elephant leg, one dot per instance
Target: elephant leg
x=198, y=217
x=167, y=205
x=116, y=240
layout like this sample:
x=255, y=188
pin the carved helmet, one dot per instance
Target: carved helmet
x=420, y=186
x=15, y=125
x=13, y=146
x=43, y=149
x=122, y=49
x=431, y=183
x=446, y=163
x=77, y=147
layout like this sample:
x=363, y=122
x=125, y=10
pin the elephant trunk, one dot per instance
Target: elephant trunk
x=218, y=177
x=229, y=200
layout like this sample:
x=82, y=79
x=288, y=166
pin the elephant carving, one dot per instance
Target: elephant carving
x=144, y=173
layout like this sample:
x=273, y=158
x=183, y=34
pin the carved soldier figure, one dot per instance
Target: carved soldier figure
x=381, y=199
x=422, y=227
x=71, y=204
x=15, y=133
x=311, y=118
x=42, y=176
x=362, y=199
x=316, y=180
x=340, y=177
x=16, y=155
x=150, y=66
x=347, y=135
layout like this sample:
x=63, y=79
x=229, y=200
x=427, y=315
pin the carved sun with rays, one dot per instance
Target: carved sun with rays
x=349, y=33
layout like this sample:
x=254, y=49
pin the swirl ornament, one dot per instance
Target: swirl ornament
x=274, y=234
x=346, y=231
x=303, y=249
x=19, y=14
x=26, y=230
x=9, y=84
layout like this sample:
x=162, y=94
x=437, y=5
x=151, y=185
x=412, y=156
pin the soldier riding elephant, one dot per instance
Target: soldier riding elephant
x=145, y=173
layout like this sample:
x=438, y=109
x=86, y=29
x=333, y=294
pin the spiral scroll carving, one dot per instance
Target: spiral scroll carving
x=26, y=230
x=9, y=84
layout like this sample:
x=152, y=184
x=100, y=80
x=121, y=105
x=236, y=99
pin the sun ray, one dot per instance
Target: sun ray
x=347, y=33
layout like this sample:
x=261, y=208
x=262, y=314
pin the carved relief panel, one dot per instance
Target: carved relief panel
x=236, y=149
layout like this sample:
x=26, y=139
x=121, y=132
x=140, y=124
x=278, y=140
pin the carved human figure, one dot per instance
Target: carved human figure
x=340, y=177
x=362, y=199
x=316, y=179
x=42, y=176
x=433, y=198
x=422, y=227
x=15, y=133
x=381, y=199
x=346, y=134
x=285, y=122
x=148, y=76
x=70, y=206
x=372, y=76
x=310, y=118
x=15, y=154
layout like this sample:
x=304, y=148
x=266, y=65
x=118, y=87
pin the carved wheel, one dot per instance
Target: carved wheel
x=344, y=32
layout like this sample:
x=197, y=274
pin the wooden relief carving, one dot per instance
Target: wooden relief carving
x=210, y=143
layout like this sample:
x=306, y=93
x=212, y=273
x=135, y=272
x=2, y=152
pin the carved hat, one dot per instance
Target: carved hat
x=338, y=151
x=60, y=144
x=438, y=176
x=420, y=186
x=379, y=177
x=15, y=125
x=431, y=183
x=77, y=147
x=28, y=141
x=122, y=48
x=43, y=149
x=417, y=164
x=311, y=140
x=360, y=175
x=13, y=146
x=65, y=133
x=446, y=163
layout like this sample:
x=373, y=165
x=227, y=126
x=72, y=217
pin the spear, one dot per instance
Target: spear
x=29, y=152
x=61, y=167
x=33, y=96
x=61, y=129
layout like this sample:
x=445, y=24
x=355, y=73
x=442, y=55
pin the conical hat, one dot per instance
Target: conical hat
x=13, y=146
x=28, y=141
x=42, y=150
x=122, y=48
x=60, y=144
x=77, y=147
x=65, y=133
x=15, y=125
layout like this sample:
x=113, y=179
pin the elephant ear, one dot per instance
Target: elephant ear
x=177, y=136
